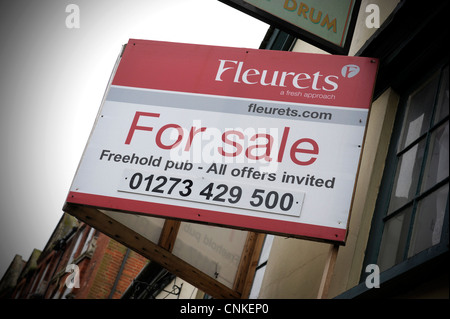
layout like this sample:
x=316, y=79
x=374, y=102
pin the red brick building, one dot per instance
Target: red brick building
x=78, y=262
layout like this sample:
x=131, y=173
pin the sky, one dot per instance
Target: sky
x=52, y=81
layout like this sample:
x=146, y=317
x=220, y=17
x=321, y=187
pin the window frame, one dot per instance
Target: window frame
x=382, y=205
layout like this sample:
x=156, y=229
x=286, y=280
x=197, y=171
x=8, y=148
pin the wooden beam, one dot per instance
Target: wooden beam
x=248, y=263
x=150, y=250
x=169, y=234
x=253, y=264
x=328, y=272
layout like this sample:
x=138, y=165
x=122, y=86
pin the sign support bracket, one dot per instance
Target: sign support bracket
x=328, y=272
x=249, y=261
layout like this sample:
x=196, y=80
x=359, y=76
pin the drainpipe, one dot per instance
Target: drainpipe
x=119, y=274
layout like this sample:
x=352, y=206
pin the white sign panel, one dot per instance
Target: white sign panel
x=277, y=166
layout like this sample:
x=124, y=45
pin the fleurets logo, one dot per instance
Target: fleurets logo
x=350, y=70
x=236, y=70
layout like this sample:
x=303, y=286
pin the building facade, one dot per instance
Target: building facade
x=78, y=262
x=397, y=244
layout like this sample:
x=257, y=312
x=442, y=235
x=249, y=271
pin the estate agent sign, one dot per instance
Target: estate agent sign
x=253, y=139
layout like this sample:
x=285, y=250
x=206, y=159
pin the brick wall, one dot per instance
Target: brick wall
x=109, y=259
x=98, y=269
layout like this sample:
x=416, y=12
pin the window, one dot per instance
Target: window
x=75, y=248
x=412, y=209
x=87, y=242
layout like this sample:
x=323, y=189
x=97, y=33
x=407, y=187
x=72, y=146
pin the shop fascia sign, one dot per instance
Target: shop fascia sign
x=326, y=24
x=260, y=140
